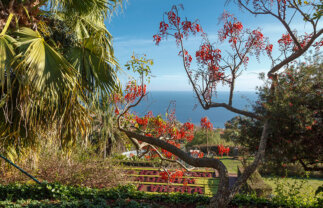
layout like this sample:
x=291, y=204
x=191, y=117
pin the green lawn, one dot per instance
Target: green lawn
x=231, y=164
x=307, y=188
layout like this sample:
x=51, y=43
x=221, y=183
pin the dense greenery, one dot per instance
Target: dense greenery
x=55, y=195
x=56, y=58
x=214, y=138
x=296, y=112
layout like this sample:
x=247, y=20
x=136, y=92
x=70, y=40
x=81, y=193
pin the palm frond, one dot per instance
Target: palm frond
x=96, y=71
x=45, y=67
x=94, y=7
x=7, y=54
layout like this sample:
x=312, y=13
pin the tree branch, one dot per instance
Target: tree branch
x=196, y=162
x=251, y=168
x=306, y=168
x=295, y=55
x=235, y=110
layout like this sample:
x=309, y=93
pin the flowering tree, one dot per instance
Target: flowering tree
x=214, y=67
x=168, y=130
x=296, y=124
x=206, y=125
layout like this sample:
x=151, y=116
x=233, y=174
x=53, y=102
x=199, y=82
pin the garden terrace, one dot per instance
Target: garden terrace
x=196, y=181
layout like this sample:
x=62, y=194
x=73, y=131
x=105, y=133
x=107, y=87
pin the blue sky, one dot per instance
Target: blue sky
x=134, y=27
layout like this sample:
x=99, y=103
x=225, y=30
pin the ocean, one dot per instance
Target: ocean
x=188, y=108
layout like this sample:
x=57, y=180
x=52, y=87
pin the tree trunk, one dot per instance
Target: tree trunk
x=231, y=90
x=207, y=143
x=223, y=198
x=109, y=146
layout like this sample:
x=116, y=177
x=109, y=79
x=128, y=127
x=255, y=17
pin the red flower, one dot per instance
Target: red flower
x=163, y=27
x=269, y=49
x=308, y=127
x=285, y=40
x=157, y=39
x=200, y=155
x=206, y=124
x=116, y=111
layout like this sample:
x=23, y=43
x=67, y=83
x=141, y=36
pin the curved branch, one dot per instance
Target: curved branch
x=169, y=160
x=235, y=110
x=295, y=55
x=251, y=168
x=196, y=162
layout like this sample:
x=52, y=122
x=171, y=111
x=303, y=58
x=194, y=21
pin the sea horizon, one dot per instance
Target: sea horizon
x=188, y=109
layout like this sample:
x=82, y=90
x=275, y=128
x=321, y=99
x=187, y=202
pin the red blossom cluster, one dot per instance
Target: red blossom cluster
x=305, y=39
x=142, y=121
x=187, y=58
x=157, y=39
x=163, y=27
x=171, y=176
x=186, y=132
x=210, y=57
x=197, y=153
x=206, y=124
x=116, y=111
x=256, y=42
x=285, y=40
x=223, y=150
x=190, y=27
x=134, y=91
x=181, y=27
x=257, y=39
x=207, y=55
x=269, y=49
x=231, y=28
x=173, y=18
x=157, y=127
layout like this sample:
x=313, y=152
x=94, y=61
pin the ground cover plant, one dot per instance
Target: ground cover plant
x=79, y=167
x=55, y=195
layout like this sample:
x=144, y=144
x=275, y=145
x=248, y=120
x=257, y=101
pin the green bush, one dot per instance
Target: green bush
x=56, y=195
x=295, y=118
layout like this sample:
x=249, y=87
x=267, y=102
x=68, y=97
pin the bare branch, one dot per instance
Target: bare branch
x=295, y=55
x=235, y=110
x=295, y=6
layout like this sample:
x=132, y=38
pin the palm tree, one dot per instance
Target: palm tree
x=55, y=57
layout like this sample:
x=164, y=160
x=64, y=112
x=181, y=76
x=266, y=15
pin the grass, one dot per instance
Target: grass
x=309, y=186
x=231, y=164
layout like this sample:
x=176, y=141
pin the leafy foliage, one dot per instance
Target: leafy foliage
x=296, y=112
x=122, y=196
x=55, y=60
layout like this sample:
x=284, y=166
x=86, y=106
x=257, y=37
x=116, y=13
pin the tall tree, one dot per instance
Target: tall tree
x=296, y=111
x=55, y=56
x=214, y=68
